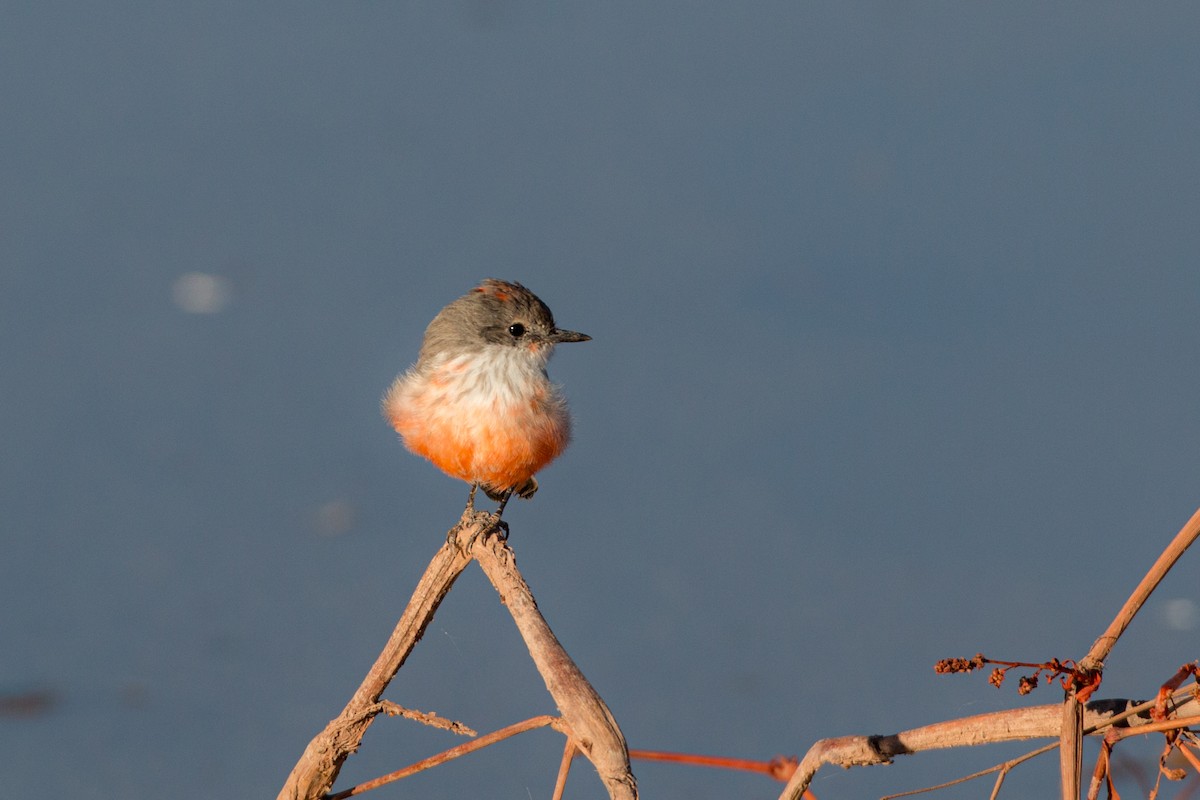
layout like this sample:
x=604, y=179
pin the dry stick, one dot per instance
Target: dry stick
x=1156, y=727
x=1071, y=752
x=1104, y=645
x=1186, y=752
x=318, y=766
x=486, y=740
x=426, y=718
x=862, y=751
x=1136, y=728
x=779, y=768
x=1009, y=766
x=999, y=726
x=590, y=723
x=593, y=728
x=1102, y=774
x=1002, y=768
x=1070, y=744
x=564, y=769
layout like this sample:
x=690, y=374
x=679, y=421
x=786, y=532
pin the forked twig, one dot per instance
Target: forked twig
x=1071, y=754
x=449, y=755
x=1134, y=720
x=1034, y=722
x=585, y=717
x=1068, y=722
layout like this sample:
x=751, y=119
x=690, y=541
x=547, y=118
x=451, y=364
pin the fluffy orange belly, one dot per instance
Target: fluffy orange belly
x=499, y=445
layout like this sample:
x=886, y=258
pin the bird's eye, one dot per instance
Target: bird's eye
x=517, y=330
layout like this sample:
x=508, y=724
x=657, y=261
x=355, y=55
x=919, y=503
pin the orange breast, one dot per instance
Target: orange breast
x=478, y=439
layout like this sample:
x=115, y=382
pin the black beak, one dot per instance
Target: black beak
x=559, y=336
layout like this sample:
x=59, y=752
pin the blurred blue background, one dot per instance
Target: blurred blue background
x=895, y=358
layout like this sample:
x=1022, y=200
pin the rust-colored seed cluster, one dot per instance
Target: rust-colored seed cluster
x=1065, y=671
x=948, y=666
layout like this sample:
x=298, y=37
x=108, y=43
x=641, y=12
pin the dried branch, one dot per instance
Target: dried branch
x=780, y=768
x=1070, y=743
x=564, y=769
x=1175, y=550
x=461, y=750
x=1000, y=726
x=1071, y=752
x=426, y=718
x=1002, y=768
x=586, y=720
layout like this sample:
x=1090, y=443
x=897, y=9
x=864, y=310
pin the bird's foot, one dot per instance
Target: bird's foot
x=492, y=525
x=483, y=527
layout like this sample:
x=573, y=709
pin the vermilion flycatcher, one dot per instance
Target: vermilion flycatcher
x=478, y=402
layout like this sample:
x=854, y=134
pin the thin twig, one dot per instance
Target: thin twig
x=1156, y=727
x=449, y=755
x=999, y=783
x=426, y=718
x=586, y=718
x=780, y=768
x=564, y=768
x=1002, y=768
x=1104, y=645
x=1186, y=752
x=1102, y=772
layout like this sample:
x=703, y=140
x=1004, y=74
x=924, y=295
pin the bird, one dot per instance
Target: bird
x=478, y=403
